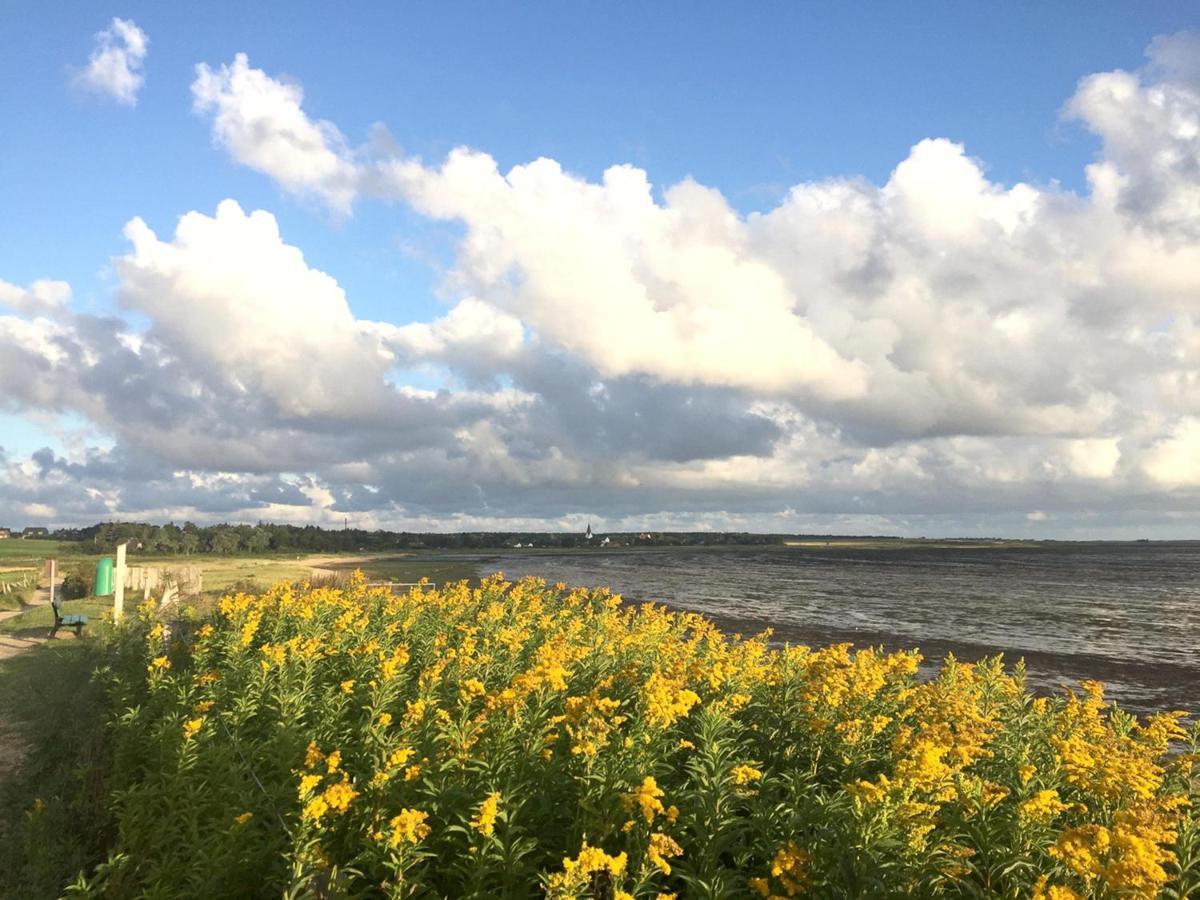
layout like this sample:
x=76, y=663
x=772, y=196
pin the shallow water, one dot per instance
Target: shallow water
x=1127, y=614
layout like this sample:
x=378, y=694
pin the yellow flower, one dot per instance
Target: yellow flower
x=313, y=757
x=408, y=828
x=334, y=760
x=398, y=758
x=745, y=774
x=243, y=818
x=339, y=796
x=415, y=711
x=788, y=868
x=1053, y=892
x=1042, y=806
x=485, y=821
x=869, y=793
x=471, y=687
x=593, y=859
x=646, y=797
x=315, y=809
x=158, y=664
x=385, y=719
x=661, y=848
x=191, y=726
x=347, y=686
x=666, y=700
x=1083, y=849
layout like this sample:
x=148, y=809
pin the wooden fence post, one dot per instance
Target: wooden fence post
x=119, y=585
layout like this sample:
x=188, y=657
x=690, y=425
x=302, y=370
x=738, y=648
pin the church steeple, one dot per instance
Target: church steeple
x=588, y=534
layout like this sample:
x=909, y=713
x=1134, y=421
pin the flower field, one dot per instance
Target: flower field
x=526, y=740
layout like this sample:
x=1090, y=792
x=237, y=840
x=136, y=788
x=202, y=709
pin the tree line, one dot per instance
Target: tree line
x=267, y=538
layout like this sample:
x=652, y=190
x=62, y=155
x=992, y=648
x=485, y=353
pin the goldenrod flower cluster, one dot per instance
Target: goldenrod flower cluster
x=525, y=740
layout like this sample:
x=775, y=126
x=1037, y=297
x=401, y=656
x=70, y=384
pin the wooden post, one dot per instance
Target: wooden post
x=119, y=585
x=53, y=568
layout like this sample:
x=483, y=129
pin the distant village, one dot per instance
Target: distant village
x=24, y=534
x=591, y=539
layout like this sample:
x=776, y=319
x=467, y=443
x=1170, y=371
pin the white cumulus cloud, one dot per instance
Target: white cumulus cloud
x=240, y=304
x=260, y=121
x=115, y=67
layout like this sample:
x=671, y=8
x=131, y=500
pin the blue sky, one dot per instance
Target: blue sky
x=749, y=101
x=746, y=101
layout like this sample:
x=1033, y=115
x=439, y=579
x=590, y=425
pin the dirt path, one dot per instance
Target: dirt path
x=13, y=643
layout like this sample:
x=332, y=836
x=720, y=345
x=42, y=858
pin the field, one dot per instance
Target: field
x=16, y=552
x=517, y=740
x=22, y=565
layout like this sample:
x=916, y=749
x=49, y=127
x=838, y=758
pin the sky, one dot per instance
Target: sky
x=914, y=269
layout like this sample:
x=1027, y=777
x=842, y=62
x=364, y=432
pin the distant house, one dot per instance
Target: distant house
x=5, y=534
x=605, y=542
x=35, y=533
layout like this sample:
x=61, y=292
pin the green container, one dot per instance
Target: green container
x=104, y=577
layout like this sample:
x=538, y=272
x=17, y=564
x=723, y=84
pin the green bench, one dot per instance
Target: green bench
x=61, y=621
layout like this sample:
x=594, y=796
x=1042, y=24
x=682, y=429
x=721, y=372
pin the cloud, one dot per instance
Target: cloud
x=1150, y=167
x=41, y=298
x=230, y=297
x=260, y=122
x=115, y=65
x=937, y=353
x=1174, y=459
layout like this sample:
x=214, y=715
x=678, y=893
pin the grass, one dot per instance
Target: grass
x=97, y=609
x=222, y=573
x=17, y=587
x=15, y=552
x=52, y=814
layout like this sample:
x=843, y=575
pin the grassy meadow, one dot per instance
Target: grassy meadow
x=525, y=740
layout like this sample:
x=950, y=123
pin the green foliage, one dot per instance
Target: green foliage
x=517, y=740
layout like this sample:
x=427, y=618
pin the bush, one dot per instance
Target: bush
x=519, y=740
x=76, y=584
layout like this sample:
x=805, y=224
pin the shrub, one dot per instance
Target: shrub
x=76, y=583
x=520, y=740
